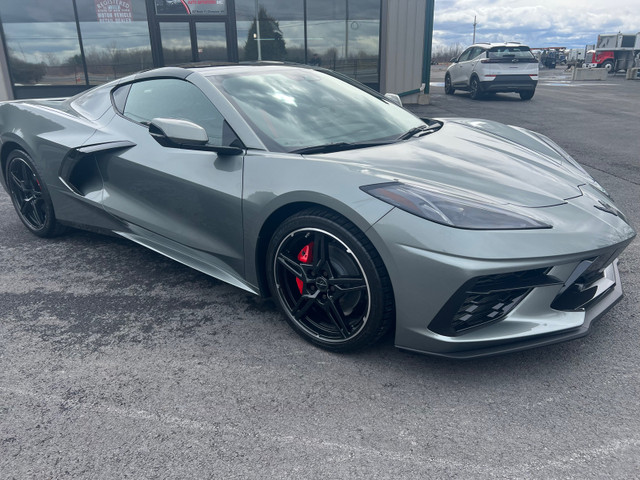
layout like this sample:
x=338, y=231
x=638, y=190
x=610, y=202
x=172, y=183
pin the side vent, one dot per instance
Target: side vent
x=79, y=170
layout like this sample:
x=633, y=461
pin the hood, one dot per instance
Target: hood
x=506, y=164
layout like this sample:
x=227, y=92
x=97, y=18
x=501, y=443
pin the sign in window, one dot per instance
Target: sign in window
x=191, y=7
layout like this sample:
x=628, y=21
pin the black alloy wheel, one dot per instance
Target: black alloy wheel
x=30, y=196
x=329, y=281
x=448, y=87
x=474, y=88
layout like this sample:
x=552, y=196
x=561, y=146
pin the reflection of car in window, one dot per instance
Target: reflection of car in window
x=493, y=67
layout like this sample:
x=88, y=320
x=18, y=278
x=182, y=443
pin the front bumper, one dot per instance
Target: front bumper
x=604, y=303
x=430, y=265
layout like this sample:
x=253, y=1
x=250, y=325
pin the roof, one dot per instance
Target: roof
x=499, y=44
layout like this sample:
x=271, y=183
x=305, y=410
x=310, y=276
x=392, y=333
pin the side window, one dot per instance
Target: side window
x=476, y=51
x=174, y=98
x=465, y=55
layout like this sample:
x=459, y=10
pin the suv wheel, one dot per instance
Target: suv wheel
x=474, y=88
x=526, y=94
x=448, y=88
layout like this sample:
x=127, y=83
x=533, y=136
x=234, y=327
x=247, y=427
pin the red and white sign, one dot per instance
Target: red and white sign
x=114, y=11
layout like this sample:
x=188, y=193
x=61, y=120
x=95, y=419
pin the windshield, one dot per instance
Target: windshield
x=294, y=108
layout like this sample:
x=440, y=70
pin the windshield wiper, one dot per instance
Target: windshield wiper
x=339, y=147
x=419, y=131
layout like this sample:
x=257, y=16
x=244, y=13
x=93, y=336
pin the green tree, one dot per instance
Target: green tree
x=272, y=43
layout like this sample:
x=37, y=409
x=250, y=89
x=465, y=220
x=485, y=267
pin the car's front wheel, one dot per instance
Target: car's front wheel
x=329, y=281
x=448, y=87
x=30, y=196
x=608, y=66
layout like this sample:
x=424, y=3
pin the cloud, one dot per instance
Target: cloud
x=539, y=24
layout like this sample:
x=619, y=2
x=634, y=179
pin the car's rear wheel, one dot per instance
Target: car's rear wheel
x=474, y=88
x=448, y=87
x=526, y=94
x=30, y=196
x=329, y=281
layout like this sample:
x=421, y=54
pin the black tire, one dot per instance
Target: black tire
x=475, y=91
x=30, y=196
x=448, y=87
x=526, y=94
x=609, y=66
x=338, y=294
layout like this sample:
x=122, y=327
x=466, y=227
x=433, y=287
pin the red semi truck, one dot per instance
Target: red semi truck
x=619, y=51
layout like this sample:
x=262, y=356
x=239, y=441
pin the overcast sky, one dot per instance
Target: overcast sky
x=538, y=23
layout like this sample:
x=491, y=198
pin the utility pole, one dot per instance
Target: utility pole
x=474, y=29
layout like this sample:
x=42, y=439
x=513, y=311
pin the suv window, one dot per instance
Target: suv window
x=174, y=98
x=509, y=53
x=476, y=51
x=464, y=56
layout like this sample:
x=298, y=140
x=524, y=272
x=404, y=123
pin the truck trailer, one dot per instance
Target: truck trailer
x=618, y=51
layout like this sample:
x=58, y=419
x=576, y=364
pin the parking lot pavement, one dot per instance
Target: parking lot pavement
x=118, y=363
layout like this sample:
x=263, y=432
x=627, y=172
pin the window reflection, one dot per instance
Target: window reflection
x=212, y=42
x=115, y=37
x=114, y=50
x=43, y=45
x=42, y=52
x=281, y=30
x=176, y=42
x=345, y=36
x=342, y=35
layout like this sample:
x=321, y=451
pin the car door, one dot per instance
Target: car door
x=458, y=69
x=468, y=66
x=182, y=202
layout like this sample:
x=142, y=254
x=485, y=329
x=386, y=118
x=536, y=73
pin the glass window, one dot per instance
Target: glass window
x=191, y=7
x=509, y=53
x=344, y=35
x=176, y=43
x=281, y=30
x=93, y=103
x=212, y=41
x=42, y=42
x=115, y=35
x=173, y=98
x=464, y=56
x=475, y=52
x=293, y=108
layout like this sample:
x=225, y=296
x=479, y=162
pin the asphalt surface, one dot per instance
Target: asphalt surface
x=118, y=363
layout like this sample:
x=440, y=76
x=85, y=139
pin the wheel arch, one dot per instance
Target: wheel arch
x=8, y=146
x=280, y=214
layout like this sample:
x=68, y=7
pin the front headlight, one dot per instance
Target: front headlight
x=451, y=210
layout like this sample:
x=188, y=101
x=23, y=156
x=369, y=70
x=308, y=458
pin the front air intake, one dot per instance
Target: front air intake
x=488, y=299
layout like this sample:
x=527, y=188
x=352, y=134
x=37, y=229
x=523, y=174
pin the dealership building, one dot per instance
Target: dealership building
x=59, y=48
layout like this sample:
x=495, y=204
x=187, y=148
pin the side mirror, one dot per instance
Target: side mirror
x=454, y=60
x=171, y=132
x=393, y=97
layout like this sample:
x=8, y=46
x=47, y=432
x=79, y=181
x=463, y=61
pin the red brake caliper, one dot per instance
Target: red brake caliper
x=305, y=256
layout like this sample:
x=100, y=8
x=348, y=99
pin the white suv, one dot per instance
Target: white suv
x=493, y=67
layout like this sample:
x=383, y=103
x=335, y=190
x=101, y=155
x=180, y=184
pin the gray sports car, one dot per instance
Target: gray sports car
x=468, y=237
